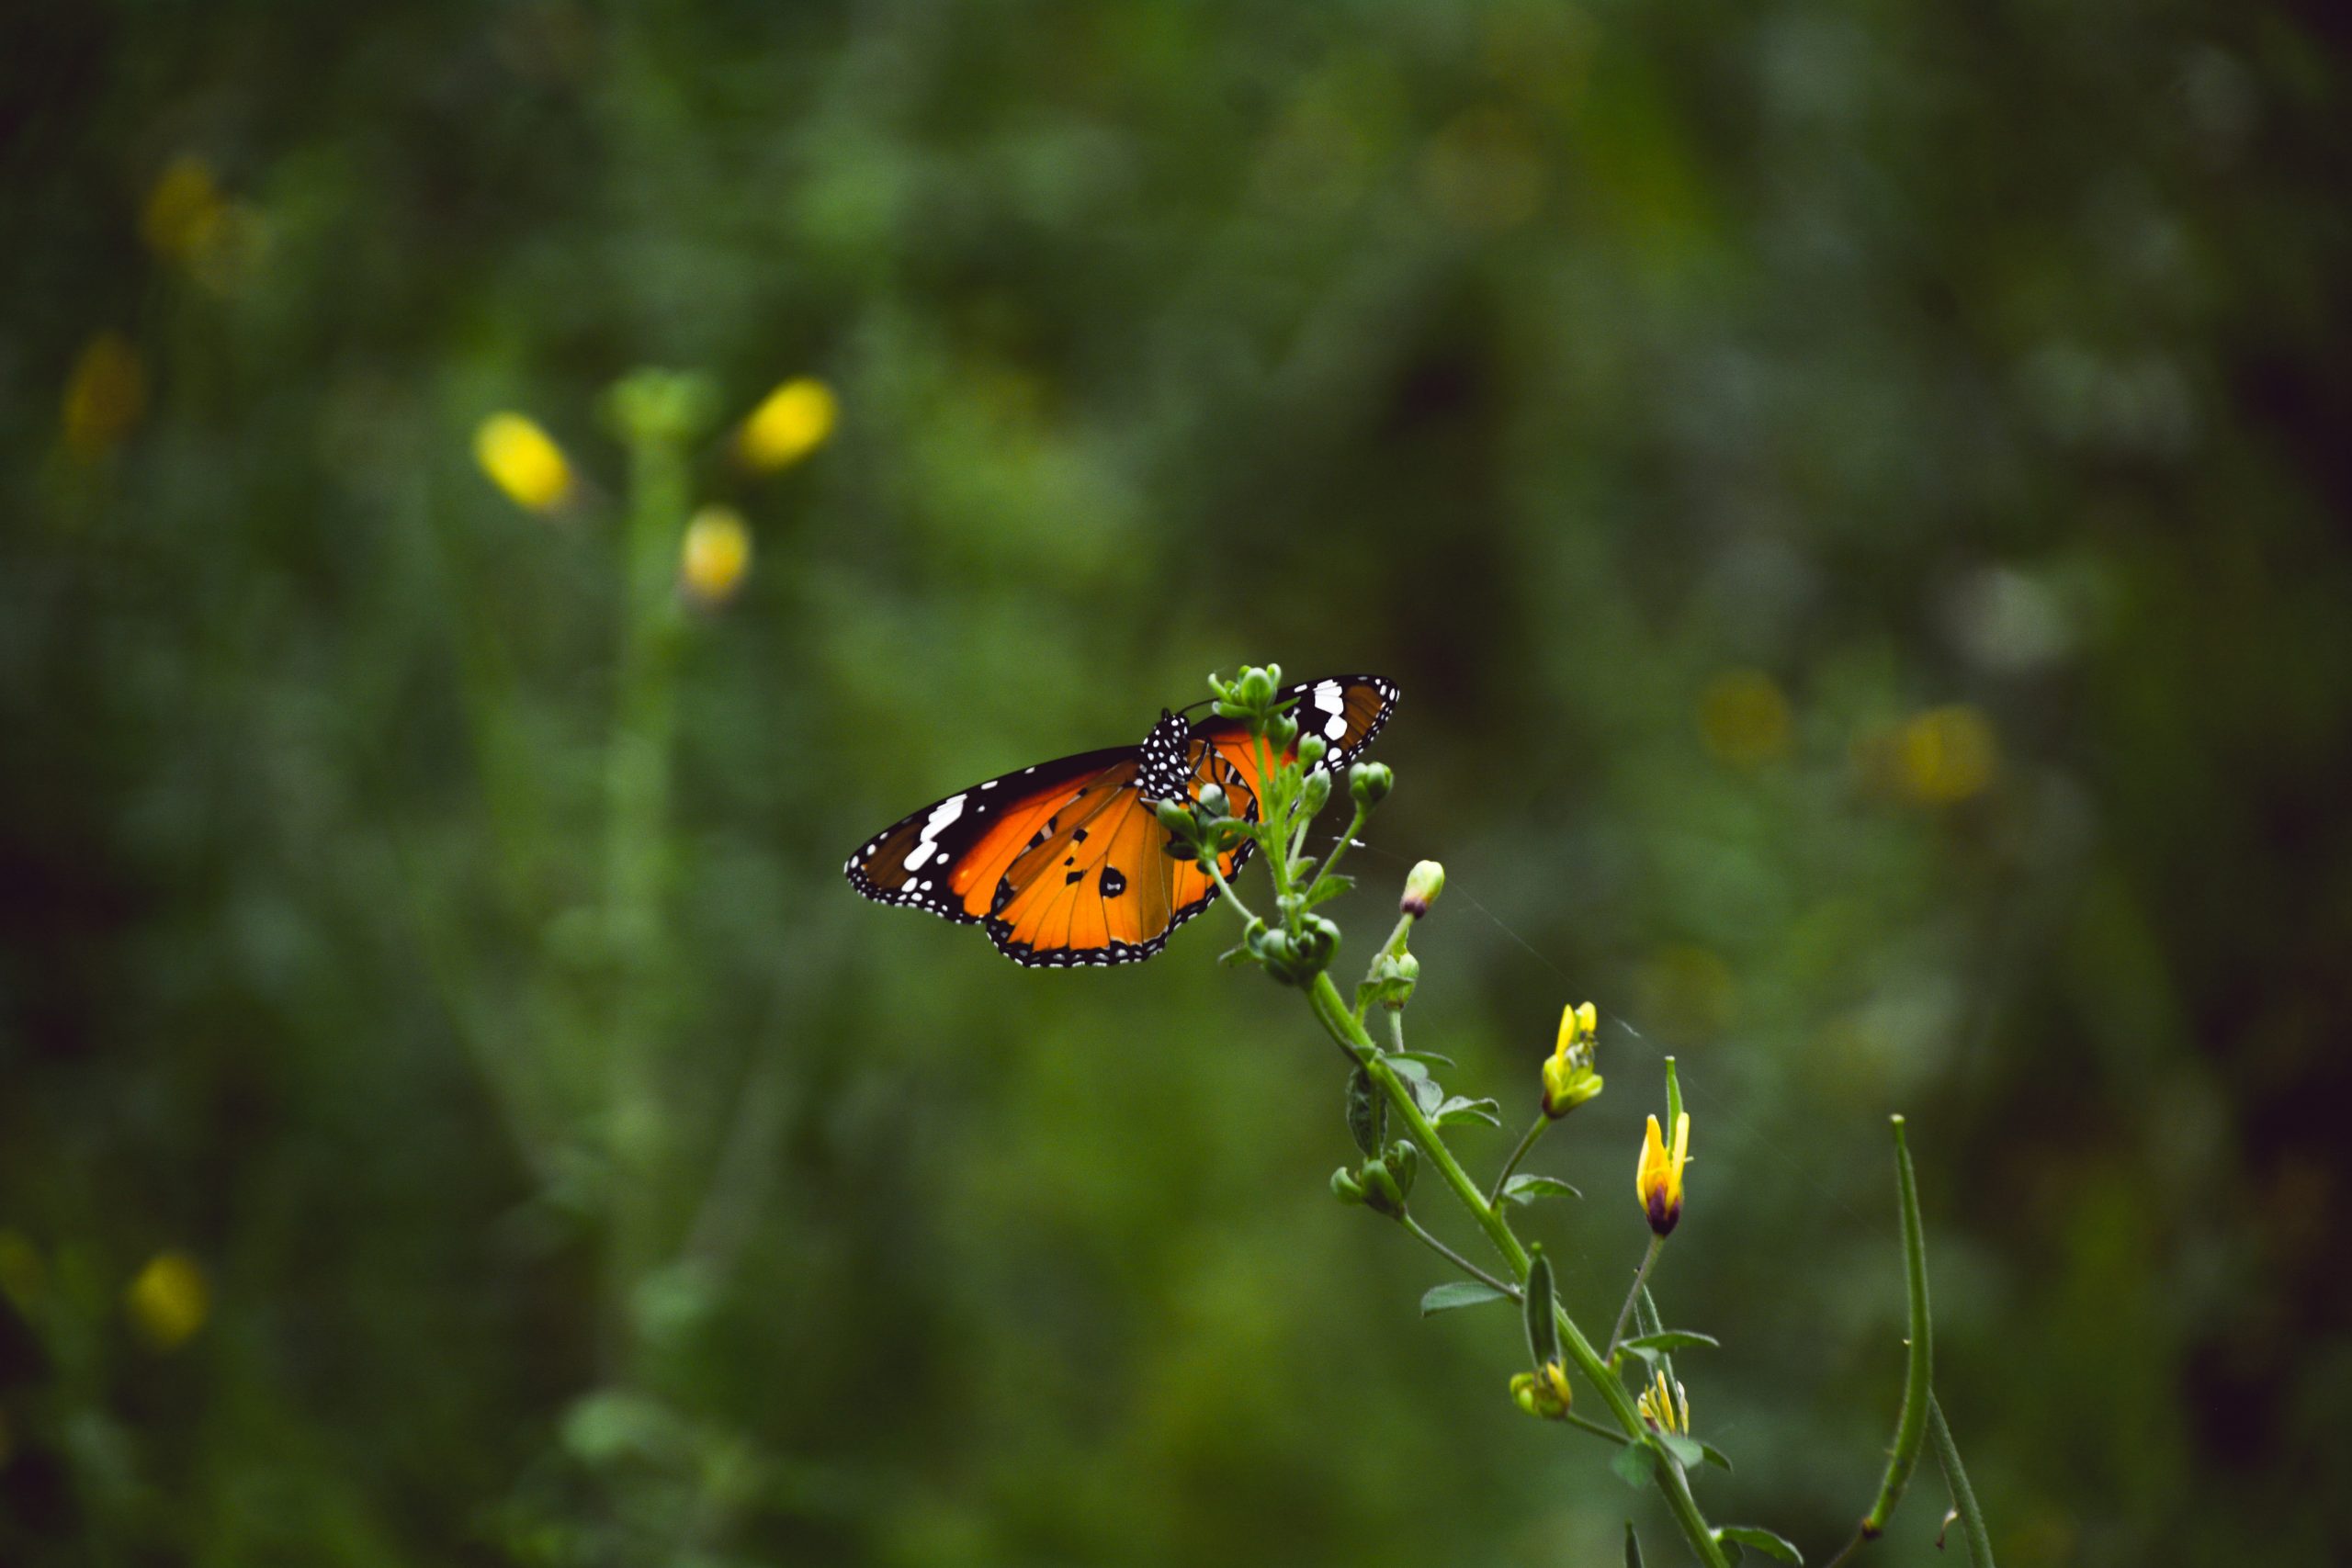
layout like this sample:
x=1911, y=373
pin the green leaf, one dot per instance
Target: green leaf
x=1633, y=1547
x=1633, y=1465
x=1714, y=1455
x=1406, y=1065
x=1427, y=1094
x=1461, y=1109
x=1456, y=1294
x=1331, y=888
x=1686, y=1452
x=1526, y=1188
x=1426, y=1058
x=1673, y=1100
x=1367, y=1112
x=1671, y=1339
x=1963, y=1495
x=1542, y=1334
x=1763, y=1541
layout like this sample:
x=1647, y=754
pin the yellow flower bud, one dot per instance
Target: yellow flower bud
x=169, y=1300
x=522, y=460
x=1568, y=1077
x=790, y=422
x=1542, y=1394
x=1658, y=1179
x=717, y=555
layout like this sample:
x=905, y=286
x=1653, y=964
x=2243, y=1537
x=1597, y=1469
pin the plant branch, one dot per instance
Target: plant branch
x=1434, y=1245
x=1641, y=1277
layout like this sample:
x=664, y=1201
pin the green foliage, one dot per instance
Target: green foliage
x=1853, y=498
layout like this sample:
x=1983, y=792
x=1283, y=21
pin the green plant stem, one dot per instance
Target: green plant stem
x=1963, y=1495
x=1348, y=1030
x=1434, y=1245
x=1495, y=1194
x=1911, y=1426
x=1355, y=825
x=1641, y=1277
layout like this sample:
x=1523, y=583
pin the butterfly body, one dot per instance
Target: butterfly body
x=1065, y=864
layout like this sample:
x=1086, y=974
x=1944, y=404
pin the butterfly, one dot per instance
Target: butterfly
x=1064, y=863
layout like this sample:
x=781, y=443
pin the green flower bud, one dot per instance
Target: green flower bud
x=1393, y=976
x=1255, y=688
x=1212, y=801
x=1280, y=730
x=1426, y=881
x=1383, y=1193
x=1317, y=943
x=1404, y=1162
x=1370, y=784
x=1346, y=1188
x=1176, y=817
x=1315, y=791
x=1311, y=750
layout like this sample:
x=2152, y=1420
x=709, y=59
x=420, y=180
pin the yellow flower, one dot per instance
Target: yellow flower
x=1666, y=1409
x=523, y=461
x=717, y=554
x=1569, y=1077
x=790, y=422
x=1949, y=754
x=169, y=1300
x=183, y=209
x=103, y=396
x=1659, y=1180
x=1544, y=1394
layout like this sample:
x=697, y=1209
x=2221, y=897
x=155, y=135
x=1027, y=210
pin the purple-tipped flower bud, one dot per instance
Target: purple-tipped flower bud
x=1421, y=888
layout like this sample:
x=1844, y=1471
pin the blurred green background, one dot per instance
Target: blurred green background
x=1854, y=495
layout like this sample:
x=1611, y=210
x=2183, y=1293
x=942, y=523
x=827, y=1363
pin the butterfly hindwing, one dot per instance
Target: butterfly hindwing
x=1346, y=711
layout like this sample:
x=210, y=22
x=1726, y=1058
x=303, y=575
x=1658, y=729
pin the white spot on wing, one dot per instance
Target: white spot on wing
x=1336, y=726
x=946, y=812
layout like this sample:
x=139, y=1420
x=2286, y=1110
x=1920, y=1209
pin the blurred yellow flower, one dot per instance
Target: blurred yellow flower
x=790, y=422
x=184, y=208
x=1666, y=1409
x=103, y=396
x=1743, y=718
x=169, y=1300
x=1949, y=754
x=1657, y=1181
x=717, y=555
x=1544, y=1394
x=522, y=460
x=23, y=1275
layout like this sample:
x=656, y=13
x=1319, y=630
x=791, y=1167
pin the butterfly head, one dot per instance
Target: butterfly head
x=1167, y=759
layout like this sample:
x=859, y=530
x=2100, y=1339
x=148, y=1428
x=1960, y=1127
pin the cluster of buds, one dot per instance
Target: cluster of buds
x=1381, y=1183
x=1568, y=1077
x=1253, y=698
x=1543, y=1392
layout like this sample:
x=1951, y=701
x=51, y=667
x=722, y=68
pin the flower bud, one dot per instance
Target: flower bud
x=1176, y=817
x=790, y=422
x=1311, y=750
x=1370, y=784
x=1394, y=977
x=1404, y=1162
x=1422, y=884
x=1383, y=1193
x=1280, y=730
x=1568, y=1077
x=717, y=555
x=1213, y=802
x=1346, y=1188
x=1316, y=790
x=1544, y=1394
x=1658, y=1181
x=523, y=461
